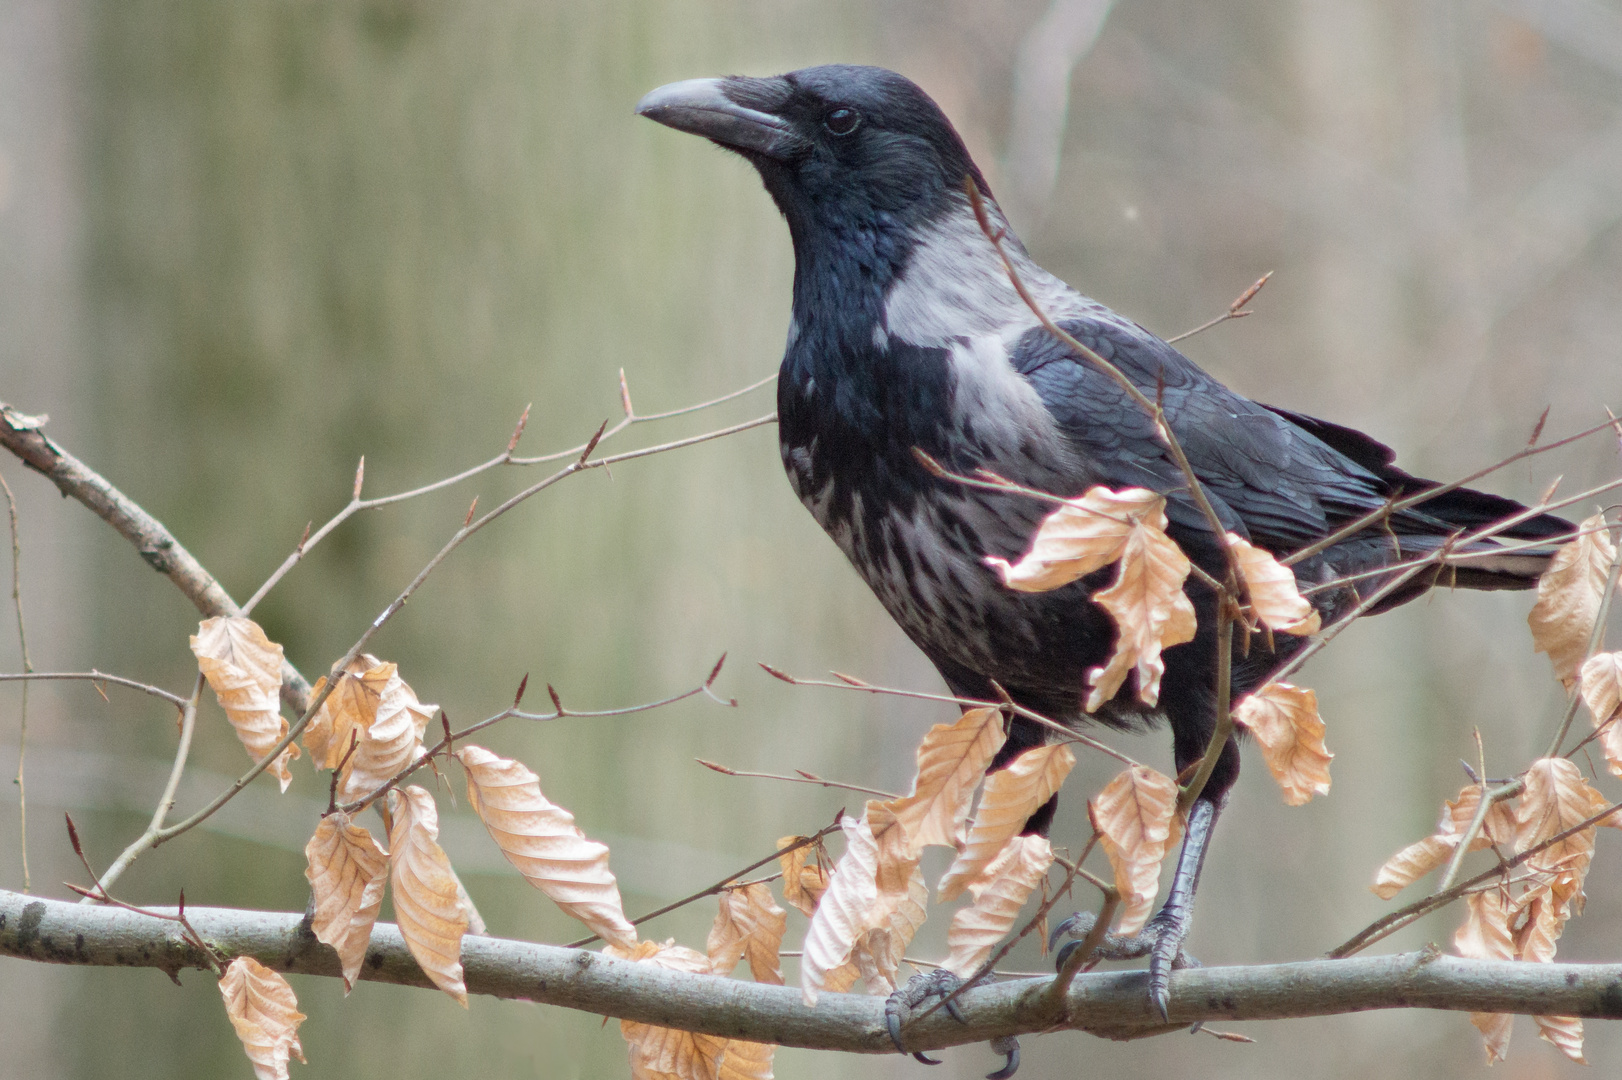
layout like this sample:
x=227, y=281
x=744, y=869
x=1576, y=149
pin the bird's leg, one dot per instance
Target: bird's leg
x=1162, y=939
x=1171, y=924
x=898, y=1008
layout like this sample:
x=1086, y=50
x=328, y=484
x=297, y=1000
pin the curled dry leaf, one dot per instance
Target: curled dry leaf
x=244, y=669
x=392, y=741
x=264, y=1012
x=842, y=915
x=1569, y=595
x=659, y=1053
x=951, y=760
x=1420, y=858
x=1558, y=797
x=1486, y=935
x=348, y=872
x=1284, y=719
x=900, y=905
x=1009, y=798
x=427, y=906
x=348, y=711
x=1274, y=598
x=1565, y=1032
x=1083, y=535
x=542, y=841
x=1150, y=610
x=976, y=929
x=804, y=881
x=1134, y=815
x=1600, y=680
x=748, y=925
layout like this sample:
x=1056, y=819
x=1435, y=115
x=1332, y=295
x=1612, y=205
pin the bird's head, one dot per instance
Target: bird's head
x=838, y=146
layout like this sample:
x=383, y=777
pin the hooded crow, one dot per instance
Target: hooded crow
x=908, y=334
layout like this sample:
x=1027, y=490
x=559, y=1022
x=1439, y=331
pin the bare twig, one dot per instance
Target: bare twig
x=28, y=666
x=804, y=778
x=1236, y=310
x=846, y=683
x=1484, y=803
x=97, y=677
x=722, y=885
x=1390, y=924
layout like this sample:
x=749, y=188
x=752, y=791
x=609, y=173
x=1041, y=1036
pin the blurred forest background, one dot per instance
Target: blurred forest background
x=242, y=244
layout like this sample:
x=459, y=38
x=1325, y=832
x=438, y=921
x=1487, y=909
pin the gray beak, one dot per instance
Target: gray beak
x=702, y=107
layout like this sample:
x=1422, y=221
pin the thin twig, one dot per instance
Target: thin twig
x=846, y=683
x=1223, y=729
x=1484, y=803
x=93, y=676
x=807, y=778
x=166, y=801
x=28, y=667
x=1235, y=311
x=1389, y=924
x=720, y=886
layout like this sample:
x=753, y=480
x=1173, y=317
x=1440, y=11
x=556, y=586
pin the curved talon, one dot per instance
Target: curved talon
x=955, y=1011
x=892, y=1020
x=1008, y=1046
x=919, y=1055
x=1064, y=954
x=1076, y=925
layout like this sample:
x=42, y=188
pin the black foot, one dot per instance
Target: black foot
x=1008, y=1047
x=939, y=983
x=1161, y=941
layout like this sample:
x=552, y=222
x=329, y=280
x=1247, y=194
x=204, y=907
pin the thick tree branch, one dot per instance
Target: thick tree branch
x=1110, y=1004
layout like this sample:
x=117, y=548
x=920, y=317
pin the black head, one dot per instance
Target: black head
x=837, y=146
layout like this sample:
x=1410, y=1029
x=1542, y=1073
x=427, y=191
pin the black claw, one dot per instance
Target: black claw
x=1069, y=926
x=1064, y=954
x=955, y=1011
x=925, y=1059
x=892, y=1020
x=1008, y=1046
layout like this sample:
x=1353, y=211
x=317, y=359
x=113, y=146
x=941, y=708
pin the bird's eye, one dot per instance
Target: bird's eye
x=842, y=121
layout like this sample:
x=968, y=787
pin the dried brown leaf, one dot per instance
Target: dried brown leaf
x=1010, y=796
x=1274, y=598
x=1495, y=1030
x=900, y=905
x=348, y=710
x=748, y=924
x=1081, y=536
x=977, y=929
x=264, y=1012
x=1556, y=798
x=1600, y=680
x=427, y=907
x=658, y=1053
x=1284, y=719
x=1486, y=933
x=842, y=915
x=1569, y=595
x=244, y=669
x=1150, y=610
x=951, y=760
x=542, y=841
x=1412, y=863
x=1565, y=1032
x=348, y=872
x=1134, y=814
x=392, y=741
x=804, y=881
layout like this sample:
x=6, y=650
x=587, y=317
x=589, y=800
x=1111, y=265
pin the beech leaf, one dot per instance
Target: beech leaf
x=1565, y=1032
x=1486, y=935
x=543, y=843
x=1013, y=875
x=1010, y=796
x=264, y=1012
x=1150, y=610
x=389, y=743
x=1134, y=815
x=244, y=669
x=1412, y=863
x=804, y=881
x=1081, y=536
x=427, y=906
x=348, y=710
x=841, y=916
x=347, y=871
x=1421, y=857
x=659, y=1053
x=1274, y=597
x=1284, y=719
x=951, y=761
x=1569, y=595
x=749, y=925
x=1600, y=680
